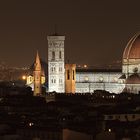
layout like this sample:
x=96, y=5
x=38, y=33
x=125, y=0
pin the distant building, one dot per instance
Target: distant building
x=66, y=78
x=116, y=81
x=131, y=64
x=89, y=80
x=36, y=78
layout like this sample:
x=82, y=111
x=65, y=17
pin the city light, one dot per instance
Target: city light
x=23, y=77
x=85, y=66
x=31, y=124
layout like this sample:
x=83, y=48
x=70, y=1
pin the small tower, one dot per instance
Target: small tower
x=56, y=70
x=70, y=77
x=37, y=76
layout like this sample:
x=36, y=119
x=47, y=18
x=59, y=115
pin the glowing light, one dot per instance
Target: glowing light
x=31, y=124
x=101, y=79
x=85, y=66
x=109, y=130
x=113, y=96
x=24, y=77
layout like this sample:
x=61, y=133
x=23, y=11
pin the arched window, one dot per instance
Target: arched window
x=73, y=75
x=60, y=55
x=53, y=55
x=68, y=74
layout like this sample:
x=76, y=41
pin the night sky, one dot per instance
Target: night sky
x=96, y=31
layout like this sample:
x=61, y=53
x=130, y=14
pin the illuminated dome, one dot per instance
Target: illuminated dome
x=133, y=79
x=132, y=50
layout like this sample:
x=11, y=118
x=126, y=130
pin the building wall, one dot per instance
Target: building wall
x=132, y=88
x=91, y=87
x=74, y=135
x=91, y=81
x=107, y=77
x=130, y=65
x=122, y=117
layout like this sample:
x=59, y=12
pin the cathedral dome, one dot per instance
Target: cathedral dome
x=133, y=79
x=132, y=50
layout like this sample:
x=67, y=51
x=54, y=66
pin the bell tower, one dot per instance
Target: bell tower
x=56, y=70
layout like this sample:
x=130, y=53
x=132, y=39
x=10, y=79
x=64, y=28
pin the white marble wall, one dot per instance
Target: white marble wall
x=91, y=87
x=91, y=81
x=56, y=70
x=107, y=77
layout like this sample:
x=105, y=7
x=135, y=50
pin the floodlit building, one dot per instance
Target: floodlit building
x=116, y=81
x=36, y=77
x=56, y=63
x=67, y=78
x=131, y=64
x=89, y=80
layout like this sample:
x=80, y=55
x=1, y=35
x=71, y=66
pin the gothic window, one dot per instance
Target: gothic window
x=60, y=81
x=73, y=74
x=68, y=74
x=60, y=69
x=60, y=55
x=53, y=81
x=54, y=69
x=53, y=55
x=30, y=79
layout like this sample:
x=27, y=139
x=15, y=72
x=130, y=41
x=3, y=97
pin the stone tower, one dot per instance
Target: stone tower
x=56, y=70
x=70, y=77
x=37, y=76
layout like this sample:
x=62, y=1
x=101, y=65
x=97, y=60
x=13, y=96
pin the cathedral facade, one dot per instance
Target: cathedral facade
x=67, y=78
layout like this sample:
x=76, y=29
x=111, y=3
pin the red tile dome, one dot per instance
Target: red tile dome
x=132, y=50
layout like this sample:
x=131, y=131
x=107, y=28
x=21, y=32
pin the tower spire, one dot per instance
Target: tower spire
x=37, y=65
x=37, y=76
